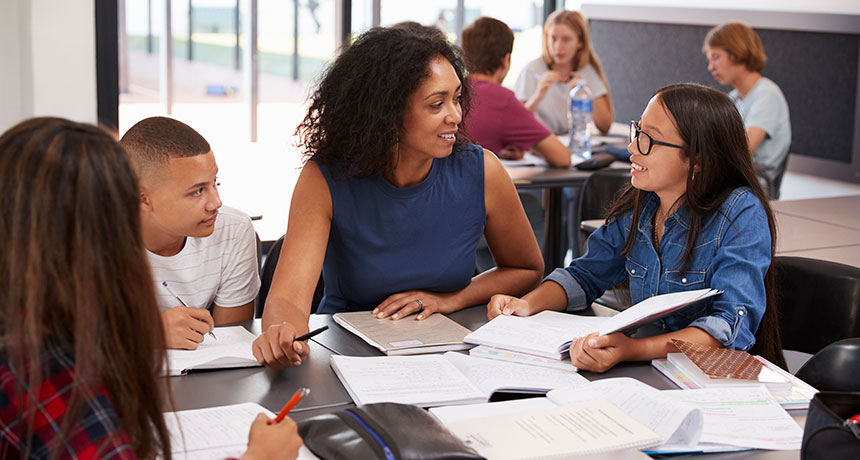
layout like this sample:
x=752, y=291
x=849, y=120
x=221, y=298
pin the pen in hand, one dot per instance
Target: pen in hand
x=297, y=396
x=309, y=334
x=169, y=290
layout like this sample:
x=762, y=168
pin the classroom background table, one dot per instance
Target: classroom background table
x=272, y=388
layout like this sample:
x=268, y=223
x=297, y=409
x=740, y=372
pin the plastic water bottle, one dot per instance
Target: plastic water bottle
x=580, y=120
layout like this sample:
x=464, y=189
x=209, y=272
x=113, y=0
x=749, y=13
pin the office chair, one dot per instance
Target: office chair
x=819, y=302
x=268, y=273
x=594, y=200
x=835, y=368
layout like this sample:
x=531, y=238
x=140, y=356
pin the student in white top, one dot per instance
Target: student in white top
x=204, y=253
x=566, y=56
x=736, y=57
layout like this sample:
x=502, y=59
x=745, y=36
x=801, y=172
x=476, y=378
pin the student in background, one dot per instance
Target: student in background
x=81, y=345
x=736, y=57
x=498, y=121
x=392, y=202
x=693, y=217
x=206, y=254
x=566, y=56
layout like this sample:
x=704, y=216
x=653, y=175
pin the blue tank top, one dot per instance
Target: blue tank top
x=386, y=239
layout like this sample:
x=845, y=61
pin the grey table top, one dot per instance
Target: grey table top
x=272, y=389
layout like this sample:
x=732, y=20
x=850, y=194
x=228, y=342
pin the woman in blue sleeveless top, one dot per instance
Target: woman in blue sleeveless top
x=393, y=203
x=693, y=217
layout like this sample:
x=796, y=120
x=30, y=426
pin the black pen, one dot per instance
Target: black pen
x=310, y=334
x=164, y=283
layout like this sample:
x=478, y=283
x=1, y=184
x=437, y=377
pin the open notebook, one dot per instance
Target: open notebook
x=437, y=380
x=549, y=333
x=231, y=349
x=216, y=432
x=406, y=336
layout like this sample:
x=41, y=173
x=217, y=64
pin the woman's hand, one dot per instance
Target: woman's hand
x=273, y=440
x=600, y=353
x=507, y=305
x=275, y=348
x=424, y=303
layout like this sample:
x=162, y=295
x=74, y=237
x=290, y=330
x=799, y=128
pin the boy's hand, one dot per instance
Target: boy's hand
x=184, y=327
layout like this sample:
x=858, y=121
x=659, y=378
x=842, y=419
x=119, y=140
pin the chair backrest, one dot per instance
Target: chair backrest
x=269, y=266
x=594, y=200
x=834, y=368
x=819, y=302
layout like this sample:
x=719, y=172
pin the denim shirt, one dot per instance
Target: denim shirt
x=731, y=254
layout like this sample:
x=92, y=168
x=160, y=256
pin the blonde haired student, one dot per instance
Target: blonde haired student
x=544, y=84
x=693, y=217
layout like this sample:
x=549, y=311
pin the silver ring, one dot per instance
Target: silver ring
x=420, y=305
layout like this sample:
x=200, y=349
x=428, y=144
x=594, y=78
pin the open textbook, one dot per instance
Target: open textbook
x=687, y=421
x=549, y=333
x=406, y=336
x=216, y=432
x=231, y=349
x=437, y=380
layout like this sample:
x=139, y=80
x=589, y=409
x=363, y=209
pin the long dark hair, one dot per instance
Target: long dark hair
x=75, y=278
x=353, y=124
x=713, y=131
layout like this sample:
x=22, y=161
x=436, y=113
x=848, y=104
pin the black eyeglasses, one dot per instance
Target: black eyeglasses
x=645, y=145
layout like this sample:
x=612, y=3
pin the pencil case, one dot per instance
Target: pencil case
x=826, y=434
x=385, y=431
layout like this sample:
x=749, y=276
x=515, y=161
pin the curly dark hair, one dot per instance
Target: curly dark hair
x=355, y=117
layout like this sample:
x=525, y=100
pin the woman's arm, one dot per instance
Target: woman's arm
x=602, y=114
x=289, y=301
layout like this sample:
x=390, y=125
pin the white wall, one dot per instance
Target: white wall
x=807, y=6
x=47, y=48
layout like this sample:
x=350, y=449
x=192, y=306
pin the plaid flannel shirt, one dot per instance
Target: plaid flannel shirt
x=95, y=435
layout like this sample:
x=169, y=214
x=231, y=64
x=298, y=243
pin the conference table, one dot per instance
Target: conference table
x=272, y=389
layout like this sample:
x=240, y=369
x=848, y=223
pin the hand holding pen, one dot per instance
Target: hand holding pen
x=185, y=327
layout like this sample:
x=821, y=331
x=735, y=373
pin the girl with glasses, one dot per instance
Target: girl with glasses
x=694, y=216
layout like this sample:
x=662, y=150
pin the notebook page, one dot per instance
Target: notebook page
x=540, y=334
x=232, y=348
x=675, y=422
x=490, y=375
x=653, y=308
x=215, y=432
x=423, y=380
x=560, y=432
x=744, y=417
x=450, y=414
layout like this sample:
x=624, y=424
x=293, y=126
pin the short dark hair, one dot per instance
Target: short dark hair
x=485, y=43
x=353, y=124
x=153, y=141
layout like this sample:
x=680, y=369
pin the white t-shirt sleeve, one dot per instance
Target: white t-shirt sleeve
x=764, y=110
x=240, y=276
x=593, y=80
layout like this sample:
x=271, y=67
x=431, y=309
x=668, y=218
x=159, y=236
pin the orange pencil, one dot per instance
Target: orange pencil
x=297, y=396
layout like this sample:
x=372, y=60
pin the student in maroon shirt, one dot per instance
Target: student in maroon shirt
x=498, y=121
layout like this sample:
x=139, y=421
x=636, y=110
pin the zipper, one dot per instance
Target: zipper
x=385, y=449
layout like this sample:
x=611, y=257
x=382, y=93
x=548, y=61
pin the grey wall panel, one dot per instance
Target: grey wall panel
x=817, y=71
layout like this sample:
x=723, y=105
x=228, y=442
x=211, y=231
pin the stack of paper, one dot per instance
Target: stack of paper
x=436, y=380
x=406, y=336
x=231, y=349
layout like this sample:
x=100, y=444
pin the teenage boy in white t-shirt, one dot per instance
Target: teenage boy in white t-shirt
x=200, y=257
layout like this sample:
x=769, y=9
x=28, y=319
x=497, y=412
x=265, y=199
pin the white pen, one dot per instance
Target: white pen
x=164, y=283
